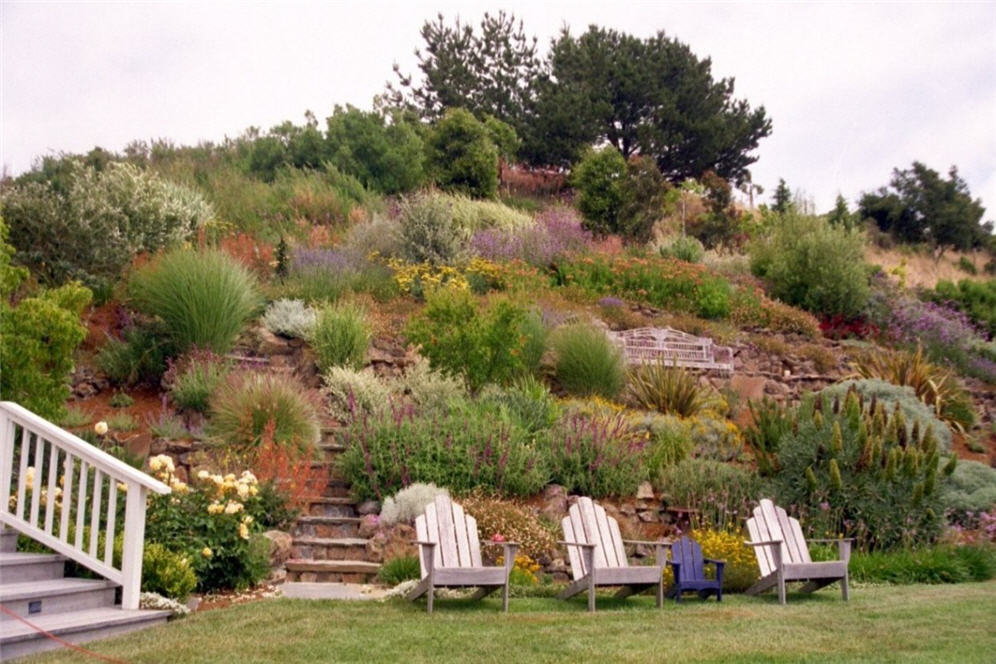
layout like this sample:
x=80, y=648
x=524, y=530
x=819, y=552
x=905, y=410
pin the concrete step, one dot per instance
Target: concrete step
x=19, y=640
x=20, y=567
x=329, y=548
x=327, y=526
x=331, y=571
x=33, y=598
x=331, y=506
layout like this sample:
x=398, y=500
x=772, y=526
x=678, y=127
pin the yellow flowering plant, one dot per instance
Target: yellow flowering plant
x=740, y=571
x=215, y=521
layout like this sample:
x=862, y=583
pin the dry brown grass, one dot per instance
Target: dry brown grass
x=921, y=269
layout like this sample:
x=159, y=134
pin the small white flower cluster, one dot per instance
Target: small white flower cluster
x=157, y=602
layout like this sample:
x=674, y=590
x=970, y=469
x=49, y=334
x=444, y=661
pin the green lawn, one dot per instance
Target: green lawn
x=951, y=623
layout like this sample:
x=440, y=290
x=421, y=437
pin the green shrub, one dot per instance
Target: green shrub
x=289, y=318
x=483, y=346
x=89, y=224
x=38, y=339
x=598, y=178
x=194, y=378
x=685, y=248
x=853, y=466
x=587, y=362
x=971, y=489
x=668, y=389
x=474, y=215
x=461, y=449
x=668, y=442
x=461, y=156
x=386, y=157
x=722, y=495
x=429, y=232
x=965, y=265
x=942, y=564
x=409, y=503
x=139, y=357
x=340, y=337
x=514, y=522
x=204, y=298
x=597, y=456
x=813, y=264
x=398, y=570
x=249, y=408
x=166, y=572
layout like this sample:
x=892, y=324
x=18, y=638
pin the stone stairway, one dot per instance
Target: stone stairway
x=327, y=547
x=32, y=586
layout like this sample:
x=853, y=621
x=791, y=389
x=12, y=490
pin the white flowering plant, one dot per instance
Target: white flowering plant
x=216, y=521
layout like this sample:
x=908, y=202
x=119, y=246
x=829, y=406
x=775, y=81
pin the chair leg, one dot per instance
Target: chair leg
x=429, y=597
x=719, y=594
x=504, y=597
x=660, y=593
x=591, y=591
x=781, y=589
x=844, y=589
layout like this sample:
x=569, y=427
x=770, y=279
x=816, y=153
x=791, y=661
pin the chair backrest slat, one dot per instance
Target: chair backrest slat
x=460, y=535
x=447, y=533
x=764, y=560
x=617, y=542
x=592, y=535
x=800, y=539
x=475, y=543
x=772, y=523
x=606, y=537
x=688, y=554
x=573, y=552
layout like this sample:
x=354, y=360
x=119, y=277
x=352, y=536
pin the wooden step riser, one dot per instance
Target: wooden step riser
x=331, y=530
x=326, y=509
x=39, y=643
x=77, y=601
x=35, y=571
x=329, y=551
x=330, y=577
x=8, y=541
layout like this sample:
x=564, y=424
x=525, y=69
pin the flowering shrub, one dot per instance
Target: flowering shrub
x=288, y=477
x=722, y=495
x=523, y=572
x=597, y=456
x=513, y=523
x=211, y=521
x=255, y=254
x=751, y=308
x=556, y=233
x=970, y=494
x=461, y=449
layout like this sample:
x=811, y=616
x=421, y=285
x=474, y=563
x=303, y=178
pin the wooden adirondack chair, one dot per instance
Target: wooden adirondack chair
x=689, y=574
x=595, y=548
x=783, y=555
x=450, y=554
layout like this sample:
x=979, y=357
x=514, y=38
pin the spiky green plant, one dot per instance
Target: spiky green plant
x=670, y=390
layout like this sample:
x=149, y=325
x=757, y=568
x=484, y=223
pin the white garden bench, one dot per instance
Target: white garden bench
x=649, y=345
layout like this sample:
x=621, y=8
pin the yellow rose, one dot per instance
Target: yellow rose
x=207, y=552
x=100, y=428
x=233, y=507
x=216, y=508
x=203, y=475
x=243, y=531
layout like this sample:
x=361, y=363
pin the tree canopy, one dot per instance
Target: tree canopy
x=921, y=206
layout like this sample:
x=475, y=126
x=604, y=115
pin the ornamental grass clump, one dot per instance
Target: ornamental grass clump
x=248, y=407
x=203, y=297
x=194, y=378
x=340, y=337
x=586, y=362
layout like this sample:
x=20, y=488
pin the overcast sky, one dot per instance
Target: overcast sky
x=853, y=90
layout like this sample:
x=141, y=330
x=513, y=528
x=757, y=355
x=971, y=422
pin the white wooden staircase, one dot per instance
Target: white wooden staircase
x=40, y=461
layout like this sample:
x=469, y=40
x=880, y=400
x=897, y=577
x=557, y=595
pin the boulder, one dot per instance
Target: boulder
x=645, y=491
x=554, y=505
x=271, y=344
x=280, y=546
x=368, y=507
x=369, y=524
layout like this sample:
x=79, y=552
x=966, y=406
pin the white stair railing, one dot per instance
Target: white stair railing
x=63, y=492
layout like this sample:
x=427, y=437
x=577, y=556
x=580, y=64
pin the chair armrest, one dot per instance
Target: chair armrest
x=764, y=543
x=583, y=545
x=429, y=544
x=647, y=542
x=831, y=541
x=493, y=543
x=713, y=561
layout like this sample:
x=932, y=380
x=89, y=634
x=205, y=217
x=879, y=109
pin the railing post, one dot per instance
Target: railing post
x=134, y=543
x=6, y=458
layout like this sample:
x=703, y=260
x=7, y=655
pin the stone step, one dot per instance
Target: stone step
x=329, y=548
x=21, y=567
x=331, y=506
x=336, y=488
x=19, y=640
x=335, y=527
x=331, y=571
x=33, y=598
